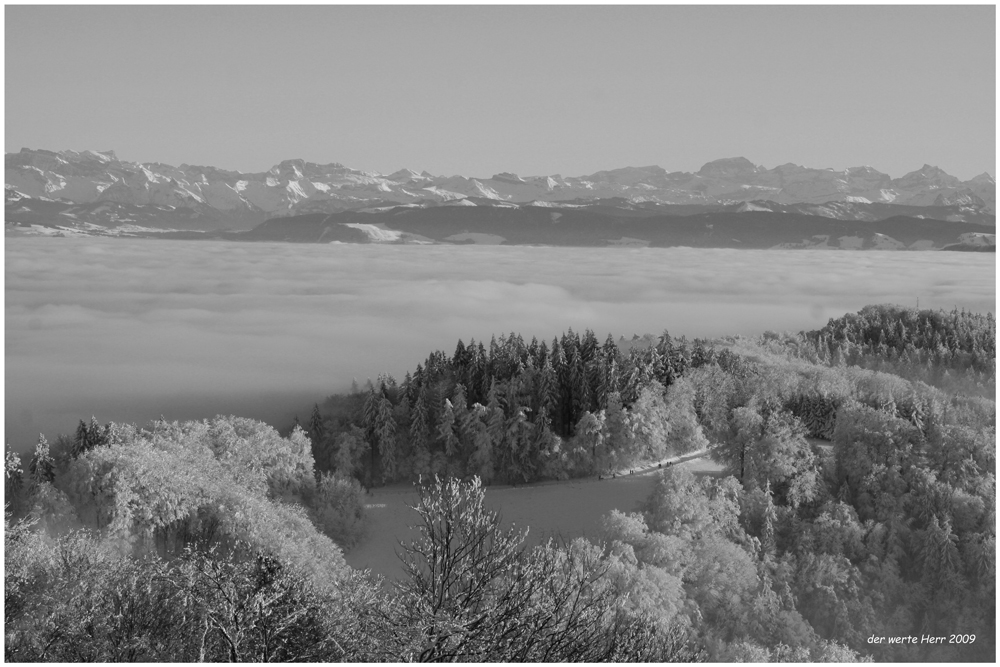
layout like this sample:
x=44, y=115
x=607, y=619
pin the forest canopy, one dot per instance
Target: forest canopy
x=857, y=500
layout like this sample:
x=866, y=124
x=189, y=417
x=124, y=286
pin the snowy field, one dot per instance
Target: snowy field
x=131, y=329
x=557, y=510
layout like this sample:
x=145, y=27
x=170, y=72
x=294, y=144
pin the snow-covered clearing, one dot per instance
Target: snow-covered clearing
x=570, y=509
x=376, y=233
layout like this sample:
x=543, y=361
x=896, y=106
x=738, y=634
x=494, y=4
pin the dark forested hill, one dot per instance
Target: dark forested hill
x=601, y=226
x=592, y=222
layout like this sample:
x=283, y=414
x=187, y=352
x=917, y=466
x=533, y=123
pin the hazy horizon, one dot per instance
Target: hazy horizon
x=536, y=90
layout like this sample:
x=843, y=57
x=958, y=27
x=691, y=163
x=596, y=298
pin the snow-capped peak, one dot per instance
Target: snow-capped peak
x=508, y=177
x=752, y=206
x=405, y=175
x=486, y=191
x=103, y=156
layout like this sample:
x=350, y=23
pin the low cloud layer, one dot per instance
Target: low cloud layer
x=131, y=330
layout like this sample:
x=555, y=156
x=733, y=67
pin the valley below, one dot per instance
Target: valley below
x=129, y=330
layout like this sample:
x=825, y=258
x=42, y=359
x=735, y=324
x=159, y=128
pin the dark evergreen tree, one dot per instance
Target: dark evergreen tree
x=317, y=430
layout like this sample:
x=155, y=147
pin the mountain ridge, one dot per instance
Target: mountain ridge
x=296, y=186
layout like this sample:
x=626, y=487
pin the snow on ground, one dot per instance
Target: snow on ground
x=851, y=242
x=446, y=195
x=477, y=238
x=137, y=229
x=821, y=241
x=648, y=467
x=751, y=206
x=884, y=242
x=553, y=204
x=52, y=187
x=296, y=191
x=826, y=212
x=374, y=209
x=85, y=229
x=185, y=192
x=569, y=509
x=485, y=191
x=817, y=242
x=378, y=234
x=41, y=230
x=978, y=238
x=630, y=242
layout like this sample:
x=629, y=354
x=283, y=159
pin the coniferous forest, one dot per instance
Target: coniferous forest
x=854, y=519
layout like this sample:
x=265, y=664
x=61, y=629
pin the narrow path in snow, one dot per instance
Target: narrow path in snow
x=663, y=463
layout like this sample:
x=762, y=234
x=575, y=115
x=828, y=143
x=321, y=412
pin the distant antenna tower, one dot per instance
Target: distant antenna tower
x=918, y=303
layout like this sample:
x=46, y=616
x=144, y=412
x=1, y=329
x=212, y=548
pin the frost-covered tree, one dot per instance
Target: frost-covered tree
x=685, y=433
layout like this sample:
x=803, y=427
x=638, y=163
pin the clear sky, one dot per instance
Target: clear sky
x=477, y=90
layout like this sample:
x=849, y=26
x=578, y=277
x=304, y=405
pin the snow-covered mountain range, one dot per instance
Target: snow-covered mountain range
x=95, y=187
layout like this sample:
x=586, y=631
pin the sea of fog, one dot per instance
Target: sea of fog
x=132, y=330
